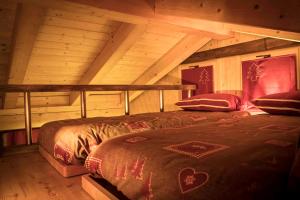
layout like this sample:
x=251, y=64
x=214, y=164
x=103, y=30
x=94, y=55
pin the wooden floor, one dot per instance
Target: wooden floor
x=29, y=176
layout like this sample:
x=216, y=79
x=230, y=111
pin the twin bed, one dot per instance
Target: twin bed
x=67, y=143
x=184, y=155
x=240, y=158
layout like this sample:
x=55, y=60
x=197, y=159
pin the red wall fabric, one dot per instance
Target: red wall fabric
x=201, y=76
x=18, y=137
x=268, y=76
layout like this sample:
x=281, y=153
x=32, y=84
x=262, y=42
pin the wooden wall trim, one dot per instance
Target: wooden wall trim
x=69, y=88
x=241, y=49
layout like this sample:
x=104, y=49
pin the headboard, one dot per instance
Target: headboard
x=267, y=76
x=200, y=76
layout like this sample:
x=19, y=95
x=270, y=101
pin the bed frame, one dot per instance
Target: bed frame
x=96, y=190
x=63, y=169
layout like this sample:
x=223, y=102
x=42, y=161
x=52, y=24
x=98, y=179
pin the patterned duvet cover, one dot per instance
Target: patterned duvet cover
x=72, y=140
x=237, y=158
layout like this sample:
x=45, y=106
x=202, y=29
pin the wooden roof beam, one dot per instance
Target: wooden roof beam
x=28, y=20
x=134, y=12
x=214, y=18
x=279, y=20
x=115, y=48
x=183, y=49
x=254, y=46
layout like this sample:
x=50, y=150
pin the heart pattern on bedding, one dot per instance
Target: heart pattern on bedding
x=190, y=180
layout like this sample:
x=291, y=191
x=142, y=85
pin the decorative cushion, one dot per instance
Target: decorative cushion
x=287, y=103
x=211, y=102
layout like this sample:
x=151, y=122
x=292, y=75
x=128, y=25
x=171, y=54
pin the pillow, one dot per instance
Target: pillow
x=287, y=103
x=211, y=102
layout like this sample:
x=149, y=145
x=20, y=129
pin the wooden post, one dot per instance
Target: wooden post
x=27, y=112
x=83, y=104
x=161, y=101
x=126, y=98
x=190, y=93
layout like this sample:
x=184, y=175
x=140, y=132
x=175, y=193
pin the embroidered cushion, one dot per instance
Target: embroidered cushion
x=287, y=103
x=211, y=102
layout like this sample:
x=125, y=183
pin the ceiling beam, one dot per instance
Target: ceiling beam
x=278, y=15
x=260, y=45
x=131, y=11
x=28, y=20
x=125, y=36
x=183, y=49
x=214, y=18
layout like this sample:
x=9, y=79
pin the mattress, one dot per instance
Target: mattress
x=71, y=141
x=233, y=158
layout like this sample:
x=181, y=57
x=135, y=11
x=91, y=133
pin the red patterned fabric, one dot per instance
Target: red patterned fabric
x=18, y=137
x=287, y=103
x=202, y=77
x=63, y=153
x=211, y=102
x=267, y=76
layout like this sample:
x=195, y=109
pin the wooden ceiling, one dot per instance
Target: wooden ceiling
x=108, y=42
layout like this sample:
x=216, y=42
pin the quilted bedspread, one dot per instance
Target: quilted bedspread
x=72, y=140
x=234, y=158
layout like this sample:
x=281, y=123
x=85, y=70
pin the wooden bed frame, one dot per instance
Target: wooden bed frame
x=96, y=190
x=63, y=169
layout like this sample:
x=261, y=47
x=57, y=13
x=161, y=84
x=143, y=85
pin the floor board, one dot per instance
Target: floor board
x=29, y=176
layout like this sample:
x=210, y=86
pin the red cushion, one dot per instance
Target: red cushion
x=287, y=103
x=211, y=102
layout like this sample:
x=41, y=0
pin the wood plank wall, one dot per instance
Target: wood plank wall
x=97, y=105
x=227, y=77
x=149, y=101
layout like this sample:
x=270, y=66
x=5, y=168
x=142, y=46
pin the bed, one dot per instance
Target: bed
x=233, y=158
x=66, y=143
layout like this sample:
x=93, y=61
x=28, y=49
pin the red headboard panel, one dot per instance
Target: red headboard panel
x=201, y=76
x=267, y=76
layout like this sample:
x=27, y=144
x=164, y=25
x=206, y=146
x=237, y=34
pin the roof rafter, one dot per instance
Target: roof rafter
x=183, y=49
x=28, y=20
x=125, y=36
x=134, y=12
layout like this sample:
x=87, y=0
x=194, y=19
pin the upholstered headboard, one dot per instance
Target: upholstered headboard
x=201, y=76
x=267, y=76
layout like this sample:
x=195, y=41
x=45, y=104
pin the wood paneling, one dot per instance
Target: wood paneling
x=170, y=60
x=149, y=100
x=14, y=118
x=227, y=71
x=67, y=43
x=134, y=12
x=28, y=21
x=147, y=50
x=114, y=49
x=227, y=79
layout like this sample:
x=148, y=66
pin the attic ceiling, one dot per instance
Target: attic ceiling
x=63, y=42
